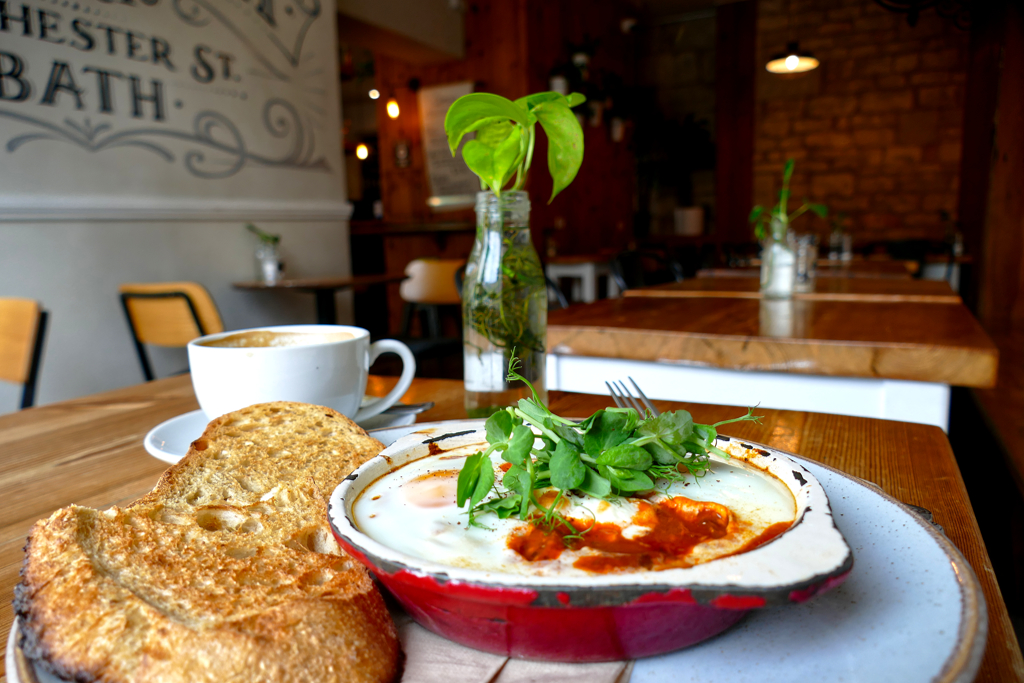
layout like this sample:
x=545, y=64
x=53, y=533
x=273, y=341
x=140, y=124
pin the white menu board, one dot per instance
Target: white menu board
x=169, y=108
x=452, y=184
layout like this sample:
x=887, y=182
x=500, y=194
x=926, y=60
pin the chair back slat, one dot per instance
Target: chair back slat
x=19, y=321
x=165, y=313
x=431, y=281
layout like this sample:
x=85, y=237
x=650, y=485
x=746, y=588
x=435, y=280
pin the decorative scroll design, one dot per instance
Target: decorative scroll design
x=215, y=134
x=192, y=13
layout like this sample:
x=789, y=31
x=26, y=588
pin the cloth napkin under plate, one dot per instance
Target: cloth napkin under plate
x=429, y=658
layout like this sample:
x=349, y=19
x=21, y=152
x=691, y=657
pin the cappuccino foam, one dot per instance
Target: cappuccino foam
x=270, y=338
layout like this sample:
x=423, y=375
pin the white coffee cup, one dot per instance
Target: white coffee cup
x=321, y=364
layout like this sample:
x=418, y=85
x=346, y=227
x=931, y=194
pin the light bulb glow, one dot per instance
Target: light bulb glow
x=362, y=151
x=374, y=94
x=792, y=64
x=393, y=108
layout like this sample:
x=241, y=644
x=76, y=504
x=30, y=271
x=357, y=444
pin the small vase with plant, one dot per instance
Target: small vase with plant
x=504, y=294
x=269, y=267
x=778, y=258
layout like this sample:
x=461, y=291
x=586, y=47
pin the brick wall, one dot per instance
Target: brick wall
x=876, y=129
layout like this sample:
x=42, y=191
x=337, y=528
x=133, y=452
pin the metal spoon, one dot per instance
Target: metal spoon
x=409, y=409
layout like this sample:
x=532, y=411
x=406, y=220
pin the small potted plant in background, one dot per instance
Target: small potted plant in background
x=778, y=255
x=504, y=294
x=269, y=267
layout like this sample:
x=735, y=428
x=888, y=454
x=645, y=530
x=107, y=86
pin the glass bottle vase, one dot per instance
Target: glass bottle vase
x=778, y=264
x=504, y=306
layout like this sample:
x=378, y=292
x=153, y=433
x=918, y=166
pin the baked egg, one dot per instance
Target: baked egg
x=735, y=507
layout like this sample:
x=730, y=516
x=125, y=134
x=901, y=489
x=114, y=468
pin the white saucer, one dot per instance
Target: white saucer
x=169, y=441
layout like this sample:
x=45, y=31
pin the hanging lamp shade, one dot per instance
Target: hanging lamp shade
x=792, y=61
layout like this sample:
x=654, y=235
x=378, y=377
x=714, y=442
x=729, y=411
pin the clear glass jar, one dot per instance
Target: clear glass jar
x=778, y=263
x=269, y=267
x=806, y=261
x=504, y=306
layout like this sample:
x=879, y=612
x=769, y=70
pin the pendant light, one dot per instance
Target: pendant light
x=792, y=61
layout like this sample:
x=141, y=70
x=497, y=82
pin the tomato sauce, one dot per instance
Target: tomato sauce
x=675, y=526
x=768, y=534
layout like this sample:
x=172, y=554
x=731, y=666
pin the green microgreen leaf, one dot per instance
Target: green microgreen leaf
x=673, y=427
x=484, y=482
x=626, y=455
x=595, y=485
x=468, y=477
x=567, y=470
x=519, y=446
x=498, y=427
x=503, y=507
x=606, y=430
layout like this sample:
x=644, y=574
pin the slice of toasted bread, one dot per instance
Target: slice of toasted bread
x=225, y=571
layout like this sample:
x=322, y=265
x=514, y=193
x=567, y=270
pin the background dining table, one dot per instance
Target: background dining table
x=323, y=288
x=875, y=357
x=826, y=268
x=89, y=451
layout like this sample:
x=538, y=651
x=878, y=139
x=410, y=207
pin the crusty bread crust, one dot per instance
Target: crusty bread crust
x=226, y=571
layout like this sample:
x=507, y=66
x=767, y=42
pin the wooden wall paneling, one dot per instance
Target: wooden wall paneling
x=981, y=94
x=495, y=59
x=597, y=209
x=1001, y=287
x=735, y=79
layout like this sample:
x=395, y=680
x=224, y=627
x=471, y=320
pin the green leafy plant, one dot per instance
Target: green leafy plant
x=506, y=133
x=614, y=452
x=264, y=237
x=778, y=219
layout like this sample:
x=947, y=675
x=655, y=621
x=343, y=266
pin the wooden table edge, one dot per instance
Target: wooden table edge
x=558, y=344
x=803, y=296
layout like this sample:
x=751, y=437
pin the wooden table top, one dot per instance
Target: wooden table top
x=829, y=269
x=825, y=289
x=897, y=340
x=321, y=283
x=88, y=451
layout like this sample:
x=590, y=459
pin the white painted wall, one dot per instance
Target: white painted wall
x=93, y=197
x=74, y=269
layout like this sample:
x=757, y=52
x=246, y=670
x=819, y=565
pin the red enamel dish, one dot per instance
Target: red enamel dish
x=603, y=617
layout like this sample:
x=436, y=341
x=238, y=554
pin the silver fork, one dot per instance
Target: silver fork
x=624, y=398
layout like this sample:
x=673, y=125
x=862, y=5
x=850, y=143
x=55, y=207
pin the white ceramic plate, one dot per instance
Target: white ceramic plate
x=911, y=610
x=169, y=441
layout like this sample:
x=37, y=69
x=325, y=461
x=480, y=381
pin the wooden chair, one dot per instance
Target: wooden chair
x=430, y=287
x=22, y=335
x=169, y=314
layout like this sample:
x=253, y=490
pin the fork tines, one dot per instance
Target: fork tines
x=624, y=398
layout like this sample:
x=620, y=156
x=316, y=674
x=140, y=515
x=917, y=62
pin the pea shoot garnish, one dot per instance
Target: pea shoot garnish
x=614, y=452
